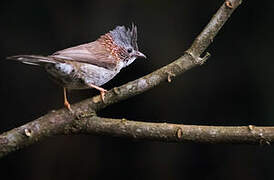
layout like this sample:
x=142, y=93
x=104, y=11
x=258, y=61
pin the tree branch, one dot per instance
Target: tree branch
x=166, y=132
x=60, y=122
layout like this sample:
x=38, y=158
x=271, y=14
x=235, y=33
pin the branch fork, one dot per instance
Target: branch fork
x=61, y=122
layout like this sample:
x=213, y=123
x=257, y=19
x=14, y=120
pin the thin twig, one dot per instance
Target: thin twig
x=61, y=122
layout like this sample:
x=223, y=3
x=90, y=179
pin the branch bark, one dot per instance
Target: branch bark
x=60, y=122
x=166, y=132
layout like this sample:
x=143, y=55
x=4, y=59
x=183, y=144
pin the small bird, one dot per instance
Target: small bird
x=92, y=64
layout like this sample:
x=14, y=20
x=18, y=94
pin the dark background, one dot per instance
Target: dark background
x=235, y=87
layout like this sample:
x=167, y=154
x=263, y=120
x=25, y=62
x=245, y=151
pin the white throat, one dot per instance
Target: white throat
x=131, y=60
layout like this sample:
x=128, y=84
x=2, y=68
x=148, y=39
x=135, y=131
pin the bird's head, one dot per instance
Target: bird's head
x=122, y=43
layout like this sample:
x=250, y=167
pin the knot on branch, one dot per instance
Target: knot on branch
x=116, y=91
x=170, y=75
x=196, y=59
x=259, y=134
x=179, y=133
x=28, y=132
x=229, y=4
x=232, y=4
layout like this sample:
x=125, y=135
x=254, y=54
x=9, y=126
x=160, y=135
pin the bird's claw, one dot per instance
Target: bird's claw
x=67, y=105
x=103, y=92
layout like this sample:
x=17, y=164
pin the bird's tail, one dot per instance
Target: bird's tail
x=33, y=59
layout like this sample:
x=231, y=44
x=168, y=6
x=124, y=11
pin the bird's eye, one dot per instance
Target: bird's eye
x=129, y=50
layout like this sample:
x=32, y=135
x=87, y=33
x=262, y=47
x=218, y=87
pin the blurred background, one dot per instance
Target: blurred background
x=234, y=87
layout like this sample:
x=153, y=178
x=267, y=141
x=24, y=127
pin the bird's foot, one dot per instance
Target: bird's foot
x=103, y=92
x=67, y=106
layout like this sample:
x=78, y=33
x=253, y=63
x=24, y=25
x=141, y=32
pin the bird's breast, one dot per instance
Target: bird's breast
x=96, y=75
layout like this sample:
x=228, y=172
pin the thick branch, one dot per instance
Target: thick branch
x=178, y=133
x=61, y=122
x=163, y=132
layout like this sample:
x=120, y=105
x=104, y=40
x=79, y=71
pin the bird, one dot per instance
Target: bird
x=89, y=65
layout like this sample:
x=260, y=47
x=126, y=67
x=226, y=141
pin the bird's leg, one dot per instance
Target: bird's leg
x=102, y=90
x=66, y=103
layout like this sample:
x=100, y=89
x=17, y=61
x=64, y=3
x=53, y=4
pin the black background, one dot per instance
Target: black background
x=234, y=87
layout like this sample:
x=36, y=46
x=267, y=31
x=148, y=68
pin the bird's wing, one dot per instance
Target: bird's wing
x=91, y=53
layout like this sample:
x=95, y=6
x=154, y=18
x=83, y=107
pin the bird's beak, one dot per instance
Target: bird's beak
x=139, y=54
